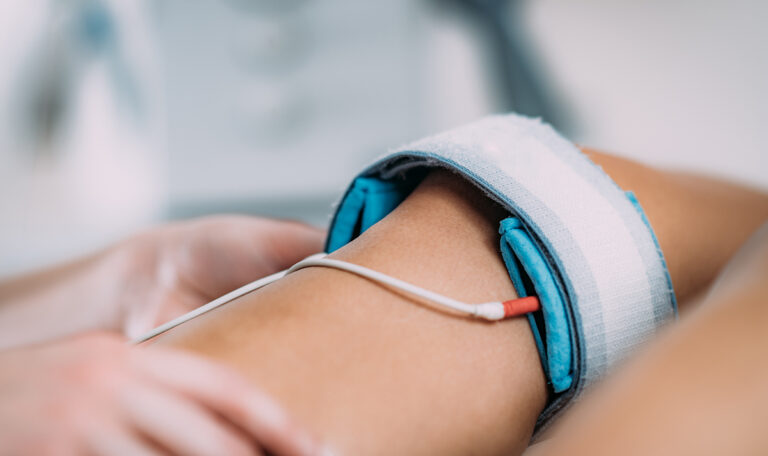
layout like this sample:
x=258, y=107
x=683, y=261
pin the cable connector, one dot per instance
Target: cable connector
x=492, y=311
x=495, y=311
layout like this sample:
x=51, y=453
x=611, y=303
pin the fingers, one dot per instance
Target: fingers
x=121, y=441
x=285, y=243
x=96, y=395
x=213, y=256
x=227, y=394
x=182, y=426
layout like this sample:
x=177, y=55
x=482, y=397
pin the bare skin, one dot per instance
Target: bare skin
x=374, y=373
x=381, y=375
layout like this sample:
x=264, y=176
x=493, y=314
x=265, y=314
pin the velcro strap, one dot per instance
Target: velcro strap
x=584, y=246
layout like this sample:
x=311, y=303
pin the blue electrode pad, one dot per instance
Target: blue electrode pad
x=573, y=238
x=524, y=259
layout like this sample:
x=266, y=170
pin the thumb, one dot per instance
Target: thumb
x=286, y=242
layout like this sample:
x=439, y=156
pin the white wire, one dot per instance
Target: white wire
x=488, y=310
x=231, y=296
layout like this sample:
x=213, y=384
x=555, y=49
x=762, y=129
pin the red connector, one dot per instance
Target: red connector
x=520, y=306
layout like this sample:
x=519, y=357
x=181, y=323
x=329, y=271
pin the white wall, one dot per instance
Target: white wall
x=678, y=83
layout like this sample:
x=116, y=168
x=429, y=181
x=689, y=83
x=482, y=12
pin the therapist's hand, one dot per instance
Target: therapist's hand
x=150, y=278
x=94, y=394
x=176, y=268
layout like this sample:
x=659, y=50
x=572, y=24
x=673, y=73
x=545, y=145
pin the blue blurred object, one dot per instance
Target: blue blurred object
x=95, y=26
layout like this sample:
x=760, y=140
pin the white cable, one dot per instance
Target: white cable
x=488, y=310
x=231, y=296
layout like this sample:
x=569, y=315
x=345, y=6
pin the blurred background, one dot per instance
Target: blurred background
x=116, y=115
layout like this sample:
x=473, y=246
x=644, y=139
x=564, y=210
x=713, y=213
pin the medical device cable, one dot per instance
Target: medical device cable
x=231, y=296
x=492, y=311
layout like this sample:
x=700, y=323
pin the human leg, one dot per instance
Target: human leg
x=376, y=363
x=373, y=372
